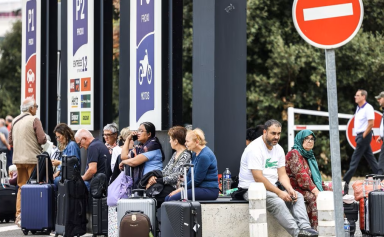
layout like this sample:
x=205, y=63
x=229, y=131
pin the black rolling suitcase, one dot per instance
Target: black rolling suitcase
x=376, y=208
x=351, y=211
x=182, y=218
x=8, y=194
x=71, y=205
x=99, y=216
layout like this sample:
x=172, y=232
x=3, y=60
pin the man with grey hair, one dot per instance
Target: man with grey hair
x=380, y=99
x=97, y=155
x=26, y=136
x=364, y=118
x=263, y=160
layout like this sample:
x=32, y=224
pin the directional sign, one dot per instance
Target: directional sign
x=327, y=24
x=351, y=134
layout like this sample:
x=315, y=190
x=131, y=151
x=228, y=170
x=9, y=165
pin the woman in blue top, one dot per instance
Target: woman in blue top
x=205, y=171
x=67, y=145
x=145, y=157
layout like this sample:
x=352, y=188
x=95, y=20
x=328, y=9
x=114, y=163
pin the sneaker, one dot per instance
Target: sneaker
x=308, y=232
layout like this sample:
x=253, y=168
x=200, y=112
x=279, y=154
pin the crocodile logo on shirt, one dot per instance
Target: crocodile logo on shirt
x=270, y=165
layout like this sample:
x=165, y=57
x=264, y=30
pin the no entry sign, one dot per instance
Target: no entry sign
x=327, y=24
x=351, y=134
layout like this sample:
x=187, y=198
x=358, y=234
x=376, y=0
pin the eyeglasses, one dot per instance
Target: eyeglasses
x=141, y=131
x=307, y=139
x=79, y=143
x=58, y=137
x=108, y=134
x=36, y=106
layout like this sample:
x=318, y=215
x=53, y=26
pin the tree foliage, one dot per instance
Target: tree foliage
x=10, y=72
x=284, y=71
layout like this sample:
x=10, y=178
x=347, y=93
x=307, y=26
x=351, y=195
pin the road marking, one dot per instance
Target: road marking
x=8, y=228
x=325, y=12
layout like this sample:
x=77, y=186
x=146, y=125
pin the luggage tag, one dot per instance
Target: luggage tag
x=196, y=227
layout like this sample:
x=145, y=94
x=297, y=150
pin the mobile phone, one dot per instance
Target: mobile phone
x=134, y=137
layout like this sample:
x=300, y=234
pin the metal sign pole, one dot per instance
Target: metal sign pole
x=334, y=140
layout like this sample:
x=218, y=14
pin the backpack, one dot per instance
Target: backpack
x=98, y=186
x=135, y=223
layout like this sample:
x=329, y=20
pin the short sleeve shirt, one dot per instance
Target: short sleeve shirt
x=257, y=156
x=99, y=153
x=154, y=162
x=362, y=115
x=4, y=131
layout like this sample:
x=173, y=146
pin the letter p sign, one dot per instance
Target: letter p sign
x=80, y=9
x=31, y=27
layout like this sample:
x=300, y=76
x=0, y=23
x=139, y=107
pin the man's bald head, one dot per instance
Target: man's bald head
x=83, y=138
x=2, y=122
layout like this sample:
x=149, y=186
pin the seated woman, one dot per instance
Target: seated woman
x=303, y=172
x=205, y=169
x=174, y=168
x=66, y=143
x=146, y=156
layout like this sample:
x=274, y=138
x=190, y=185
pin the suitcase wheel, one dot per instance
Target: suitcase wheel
x=25, y=232
x=33, y=232
x=7, y=220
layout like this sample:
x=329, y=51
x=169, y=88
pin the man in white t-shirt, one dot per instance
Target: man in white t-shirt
x=263, y=160
x=364, y=118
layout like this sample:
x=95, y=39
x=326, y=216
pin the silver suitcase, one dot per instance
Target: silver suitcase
x=146, y=205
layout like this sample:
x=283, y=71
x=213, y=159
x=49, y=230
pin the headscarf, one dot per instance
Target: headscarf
x=299, y=139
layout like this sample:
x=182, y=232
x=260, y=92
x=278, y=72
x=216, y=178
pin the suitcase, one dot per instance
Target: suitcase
x=71, y=207
x=37, y=204
x=69, y=166
x=351, y=212
x=8, y=194
x=376, y=208
x=182, y=218
x=363, y=204
x=138, y=203
x=135, y=224
x=100, y=216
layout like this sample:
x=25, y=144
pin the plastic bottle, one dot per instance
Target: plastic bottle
x=227, y=181
x=347, y=228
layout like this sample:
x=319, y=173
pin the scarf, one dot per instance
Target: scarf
x=299, y=139
x=110, y=147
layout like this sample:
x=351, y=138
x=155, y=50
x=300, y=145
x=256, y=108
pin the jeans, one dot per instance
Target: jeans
x=200, y=194
x=292, y=216
x=88, y=184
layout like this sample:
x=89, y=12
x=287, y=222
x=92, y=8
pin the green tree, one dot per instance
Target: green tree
x=10, y=72
x=284, y=71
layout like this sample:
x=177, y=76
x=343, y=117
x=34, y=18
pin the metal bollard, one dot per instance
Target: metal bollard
x=326, y=214
x=257, y=195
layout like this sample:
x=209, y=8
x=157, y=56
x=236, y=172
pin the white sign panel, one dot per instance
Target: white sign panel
x=31, y=40
x=145, y=76
x=80, y=40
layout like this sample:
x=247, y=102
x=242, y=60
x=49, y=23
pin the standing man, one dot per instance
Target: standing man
x=8, y=123
x=263, y=160
x=364, y=118
x=97, y=155
x=26, y=136
x=4, y=145
x=380, y=99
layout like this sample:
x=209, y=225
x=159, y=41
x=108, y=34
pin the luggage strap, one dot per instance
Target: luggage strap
x=196, y=225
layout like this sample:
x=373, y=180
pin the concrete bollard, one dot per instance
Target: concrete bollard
x=326, y=214
x=257, y=195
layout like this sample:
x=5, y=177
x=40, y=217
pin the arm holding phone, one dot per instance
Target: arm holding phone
x=125, y=154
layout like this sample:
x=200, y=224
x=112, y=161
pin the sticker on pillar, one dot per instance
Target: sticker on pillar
x=145, y=43
x=30, y=50
x=75, y=120
x=86, y=118
x=74, y=85
x=75, y=101
x=86, y=84
x=85, y=101
x=80, y=35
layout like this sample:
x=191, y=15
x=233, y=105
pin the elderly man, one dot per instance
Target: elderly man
x=26, y=136
x=97, y=154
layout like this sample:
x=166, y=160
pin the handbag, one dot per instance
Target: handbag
x=239, y=194
x=120, y=188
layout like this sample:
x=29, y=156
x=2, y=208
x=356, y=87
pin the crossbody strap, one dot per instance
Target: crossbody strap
x=18, y=121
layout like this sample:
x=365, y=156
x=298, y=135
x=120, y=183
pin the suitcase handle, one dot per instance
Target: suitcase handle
x=46, y=167
x=133, y=211
x=184, y=195
x=137, y=191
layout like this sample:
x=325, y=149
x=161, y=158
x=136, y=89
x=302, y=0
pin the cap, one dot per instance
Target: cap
x=381, y=95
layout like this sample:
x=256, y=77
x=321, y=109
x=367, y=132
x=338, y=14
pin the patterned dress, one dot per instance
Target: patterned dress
x=299, y=174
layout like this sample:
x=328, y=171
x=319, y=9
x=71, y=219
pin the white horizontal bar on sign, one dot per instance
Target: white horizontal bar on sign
x=376, y=131
x=320, y=113
x=317, y=127
x=325, y=12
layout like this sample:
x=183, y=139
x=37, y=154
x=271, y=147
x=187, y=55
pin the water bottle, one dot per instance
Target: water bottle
x=347, y=227
x=227, y=181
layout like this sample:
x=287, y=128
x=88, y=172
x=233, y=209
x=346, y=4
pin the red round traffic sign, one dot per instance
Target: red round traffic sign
x=351, y=135
x=327, y=24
